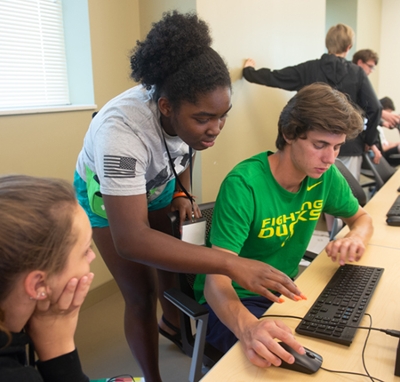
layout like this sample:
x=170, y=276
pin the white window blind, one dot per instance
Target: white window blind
x=33, y=70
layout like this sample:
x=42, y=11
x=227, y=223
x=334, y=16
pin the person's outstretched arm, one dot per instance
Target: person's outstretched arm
x=136, y=241
x=289, y=78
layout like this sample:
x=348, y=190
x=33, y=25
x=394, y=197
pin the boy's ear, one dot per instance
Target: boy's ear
x=35, y=285
x=164, y=106
x=288, y=141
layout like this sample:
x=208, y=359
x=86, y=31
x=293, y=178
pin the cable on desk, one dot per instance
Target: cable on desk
x=352, y=373
x=390, y=332
x=365, y=346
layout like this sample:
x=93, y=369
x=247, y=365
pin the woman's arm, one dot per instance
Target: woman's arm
x=135, y=240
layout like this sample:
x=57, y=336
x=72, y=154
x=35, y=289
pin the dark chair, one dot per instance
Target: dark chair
x=380, y=173
x=194, y=345
x=356, y=188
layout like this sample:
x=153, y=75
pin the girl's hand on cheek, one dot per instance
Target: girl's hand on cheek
x=52, y=326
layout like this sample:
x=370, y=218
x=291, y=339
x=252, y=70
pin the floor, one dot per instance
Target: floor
x=104, y=352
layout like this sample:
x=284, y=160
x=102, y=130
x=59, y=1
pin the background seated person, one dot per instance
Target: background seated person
x=267, y=209
x=389, y=119
x=45, y=257
x=388, y=148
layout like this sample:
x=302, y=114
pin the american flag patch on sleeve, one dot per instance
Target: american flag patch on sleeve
x=119, y=167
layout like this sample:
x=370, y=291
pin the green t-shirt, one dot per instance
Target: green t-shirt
x=258, y=219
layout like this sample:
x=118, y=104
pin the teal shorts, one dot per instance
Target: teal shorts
x=97, y=221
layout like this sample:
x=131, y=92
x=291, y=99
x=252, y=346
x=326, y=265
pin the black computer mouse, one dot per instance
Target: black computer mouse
x=308, y=363
x=393, y=220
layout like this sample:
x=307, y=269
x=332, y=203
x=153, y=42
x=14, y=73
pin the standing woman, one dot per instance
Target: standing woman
x=134, y=169
x=45, y=254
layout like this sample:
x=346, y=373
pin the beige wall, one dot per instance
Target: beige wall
x=389, y=73
x=114, y=30
x=152, y=10
x=276, y=33
x=265, y=31
x=369, y=33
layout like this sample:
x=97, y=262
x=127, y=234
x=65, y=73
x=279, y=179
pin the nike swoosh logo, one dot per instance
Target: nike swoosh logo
x=309, y=188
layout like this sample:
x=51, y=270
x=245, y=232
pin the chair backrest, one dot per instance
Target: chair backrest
x=355, y=186
x=186, y=282
x=381, y=172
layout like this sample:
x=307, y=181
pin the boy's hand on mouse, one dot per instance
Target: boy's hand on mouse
x=260, y=347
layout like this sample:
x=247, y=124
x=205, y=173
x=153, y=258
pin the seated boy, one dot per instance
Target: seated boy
x=267, y=209
x=390, y=150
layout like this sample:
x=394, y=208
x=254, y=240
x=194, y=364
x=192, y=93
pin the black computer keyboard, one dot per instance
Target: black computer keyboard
x=394, y=210
x=342, y=302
